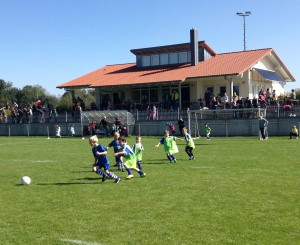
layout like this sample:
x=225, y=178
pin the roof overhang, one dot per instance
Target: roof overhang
x=269, y=75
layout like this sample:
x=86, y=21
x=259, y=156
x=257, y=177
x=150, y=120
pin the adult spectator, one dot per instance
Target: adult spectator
x=104, y=124
x=207, y=98
x=181, y=125
x=293, y=95
x=263, y=123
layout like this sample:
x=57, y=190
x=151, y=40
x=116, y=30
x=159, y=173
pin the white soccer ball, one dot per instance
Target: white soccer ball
x=25, y=180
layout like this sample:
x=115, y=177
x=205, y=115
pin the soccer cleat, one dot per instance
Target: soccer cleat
x=129, y=176
x=143, y=175
x=103, y=177
x=117, y=180
x=174, y=161
x=123, y=169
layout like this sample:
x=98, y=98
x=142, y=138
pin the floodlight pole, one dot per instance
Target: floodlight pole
x=247, y=13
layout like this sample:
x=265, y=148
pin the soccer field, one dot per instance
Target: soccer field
x=238, y=191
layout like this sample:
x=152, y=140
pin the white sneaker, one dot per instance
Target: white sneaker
x=129, y=176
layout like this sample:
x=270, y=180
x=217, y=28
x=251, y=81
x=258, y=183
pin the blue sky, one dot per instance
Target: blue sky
x=49, y=42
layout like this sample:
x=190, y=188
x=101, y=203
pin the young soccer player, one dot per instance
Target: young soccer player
x=116, y=145
x=101, y=161
x=138, y=149
x=170, y=146
x=57, y=131
x=130, y=160
x=207, y=131
x=189, y=144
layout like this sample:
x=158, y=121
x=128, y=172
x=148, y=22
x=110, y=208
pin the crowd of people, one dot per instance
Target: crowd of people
x=29, y=113
x=106, y=127
x=265, y=98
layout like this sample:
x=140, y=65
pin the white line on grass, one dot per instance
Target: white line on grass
x=32, y=161
x=203, y=167
x=80, y=242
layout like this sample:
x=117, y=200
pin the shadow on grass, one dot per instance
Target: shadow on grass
x=83, y=171
x=76, y=182
x=157, y=161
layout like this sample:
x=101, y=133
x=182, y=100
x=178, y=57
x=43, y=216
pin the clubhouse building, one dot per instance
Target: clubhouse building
x=188, y=69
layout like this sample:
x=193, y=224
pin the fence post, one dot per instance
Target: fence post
x=48, y=131
x=66, y=116
x=27, y=130
x=226, y=126
x=189, y=120
x=137, y=114
x=139, y=129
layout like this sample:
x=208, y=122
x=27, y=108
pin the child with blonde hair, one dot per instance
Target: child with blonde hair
x=170, y=146
x=101, y=161
x=138, y=151
x=190, y=145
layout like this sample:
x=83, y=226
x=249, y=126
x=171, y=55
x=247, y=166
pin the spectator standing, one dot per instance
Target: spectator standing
x=105, y=123
x=154, y=113
x=293, y=95
x=72, y=130
x=57, y=131
x=263, y=123
x=181, y=125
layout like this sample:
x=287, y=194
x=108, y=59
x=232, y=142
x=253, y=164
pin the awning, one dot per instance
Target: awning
x=269, y=75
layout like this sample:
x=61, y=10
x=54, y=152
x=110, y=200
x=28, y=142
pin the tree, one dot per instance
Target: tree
x=5, y=87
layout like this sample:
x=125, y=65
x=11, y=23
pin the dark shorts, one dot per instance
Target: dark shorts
x=105, y=166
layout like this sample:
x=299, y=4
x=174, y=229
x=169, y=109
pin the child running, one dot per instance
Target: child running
x=170, y=146
x=116, y=145
x=138, y=149
x=207, y=131
x=189, y=144
x=130, y=160
x=101, y=161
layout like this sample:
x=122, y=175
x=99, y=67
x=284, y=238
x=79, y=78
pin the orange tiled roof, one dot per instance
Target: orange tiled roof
x=123, y=74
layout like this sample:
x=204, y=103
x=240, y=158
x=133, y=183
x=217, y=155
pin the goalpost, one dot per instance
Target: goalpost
x=221, y=117
x=193, y=122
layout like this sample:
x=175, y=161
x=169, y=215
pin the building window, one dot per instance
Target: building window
x=183, y=57
x=153, y=95
x=173, y=58
x=236, y=88
x=146, y=60
x=164, y=59
x=155, y=60
x=136, y=97
x=222, y=90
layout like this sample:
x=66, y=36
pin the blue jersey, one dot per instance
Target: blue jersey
x=102, y=160
x=116, y=145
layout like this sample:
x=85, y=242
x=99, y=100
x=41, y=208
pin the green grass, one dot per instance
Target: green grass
x=238, y=191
